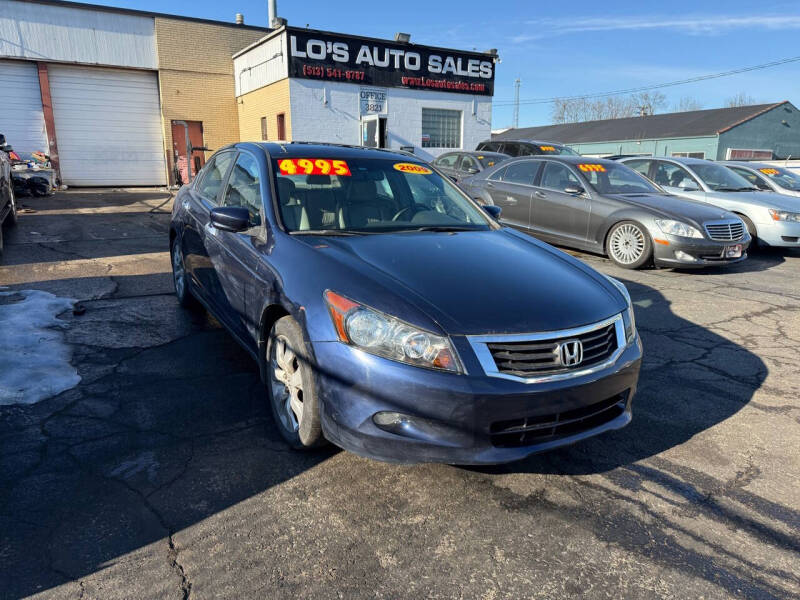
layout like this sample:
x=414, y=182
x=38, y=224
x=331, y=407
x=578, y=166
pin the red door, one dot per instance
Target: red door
x=179, y=148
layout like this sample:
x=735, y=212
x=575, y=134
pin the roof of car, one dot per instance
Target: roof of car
x=747, y=163
x=480, y=153
x=572, y=159
x=525, y=141
x=306, y=149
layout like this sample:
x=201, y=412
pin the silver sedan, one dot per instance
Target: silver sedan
x=766, y=177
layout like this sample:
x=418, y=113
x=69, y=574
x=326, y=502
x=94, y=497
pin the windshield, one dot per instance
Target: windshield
x=785, y=178
x=490, y=160
x=721, y=179
x=614, y=178
x=375, y=195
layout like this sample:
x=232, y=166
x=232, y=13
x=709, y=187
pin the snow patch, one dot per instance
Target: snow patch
x=34, y=359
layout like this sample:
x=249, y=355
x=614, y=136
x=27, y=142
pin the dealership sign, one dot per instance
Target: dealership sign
x=334, y=57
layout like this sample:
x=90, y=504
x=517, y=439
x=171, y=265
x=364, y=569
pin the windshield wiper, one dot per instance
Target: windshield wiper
x=732, y=189
x=441, y=228
x=327, y=232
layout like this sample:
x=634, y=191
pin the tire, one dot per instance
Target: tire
x=756, y=243
x=181, y=282
x=291, y=386
x=1, y=239
x=629, y=245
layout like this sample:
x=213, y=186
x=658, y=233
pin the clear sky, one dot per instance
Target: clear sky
x=566, y=48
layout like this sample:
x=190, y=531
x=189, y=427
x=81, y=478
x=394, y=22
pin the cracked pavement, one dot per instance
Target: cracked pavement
x=161, y=475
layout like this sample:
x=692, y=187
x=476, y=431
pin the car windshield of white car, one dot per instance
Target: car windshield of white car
x=615, y=178
x=722, y=179
x=370, y=195
x=783, y=177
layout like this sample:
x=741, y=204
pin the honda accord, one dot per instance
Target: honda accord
x=395, y=317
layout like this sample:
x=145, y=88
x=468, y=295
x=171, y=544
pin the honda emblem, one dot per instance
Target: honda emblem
x=571, y=353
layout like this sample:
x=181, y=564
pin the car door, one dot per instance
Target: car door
x=447, y=164
x=556, y=213
x=236, y=255
x=203, y=196
x=512, y=191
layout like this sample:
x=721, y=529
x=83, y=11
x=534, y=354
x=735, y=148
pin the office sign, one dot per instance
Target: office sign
x=333, y=57
x=373, y=101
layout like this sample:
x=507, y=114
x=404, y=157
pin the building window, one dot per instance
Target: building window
x=441, y=128
x=282, y=126
x=689, y=154
x=747, y=154
x=264, y=136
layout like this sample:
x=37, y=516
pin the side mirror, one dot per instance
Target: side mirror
x=230, y=218
x=575, y=190
x=493, y=210
x=687, y=185
x=472, y=171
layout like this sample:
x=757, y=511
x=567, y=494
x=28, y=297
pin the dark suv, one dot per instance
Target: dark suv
x=525, y=148
x=8, y=207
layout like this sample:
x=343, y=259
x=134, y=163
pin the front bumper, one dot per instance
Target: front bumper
x=695, y=252
x=463, y=419
x=779, y=233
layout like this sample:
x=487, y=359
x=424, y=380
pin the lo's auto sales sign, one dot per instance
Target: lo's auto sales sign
x=333, y=57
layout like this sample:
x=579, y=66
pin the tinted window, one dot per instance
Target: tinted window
x=527, y=150
x=751, y=177
x=558, y=177
x=214, y=174
x=498, y=175
x=672, y=175
x=491, y=160
x=521, y=172
x=244, y=186
x=467, y=163
x=446, y=160
x=510, y=148
x=720, y=178
x=489, y=146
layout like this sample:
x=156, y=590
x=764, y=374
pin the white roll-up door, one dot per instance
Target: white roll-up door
x=108, y=126
x=21, y=117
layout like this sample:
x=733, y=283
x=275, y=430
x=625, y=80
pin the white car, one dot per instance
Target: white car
x=772, y=219
x=767, y=177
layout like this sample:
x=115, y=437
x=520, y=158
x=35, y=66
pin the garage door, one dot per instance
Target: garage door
x=21, y=117
x=108, y=126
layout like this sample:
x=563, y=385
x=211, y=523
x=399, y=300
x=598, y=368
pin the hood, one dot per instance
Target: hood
x=767, y=199
x=676, y=207
x=478, y=282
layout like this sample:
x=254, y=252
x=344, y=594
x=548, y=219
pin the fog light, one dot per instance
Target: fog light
x=680, y=255
x=391, y=421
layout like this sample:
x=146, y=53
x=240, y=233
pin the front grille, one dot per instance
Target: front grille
x=544, y=428
x=728, y=231
x=542, y=356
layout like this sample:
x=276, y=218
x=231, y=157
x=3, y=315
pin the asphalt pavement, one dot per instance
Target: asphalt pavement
x=162, y=475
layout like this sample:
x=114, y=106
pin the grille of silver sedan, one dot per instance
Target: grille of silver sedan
x=545, y=356
x=725, y=231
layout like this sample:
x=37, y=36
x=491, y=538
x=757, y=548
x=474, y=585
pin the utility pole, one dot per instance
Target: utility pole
x=516, y=102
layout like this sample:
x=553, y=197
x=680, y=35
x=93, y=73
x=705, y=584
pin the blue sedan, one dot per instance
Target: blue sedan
x=391, y=315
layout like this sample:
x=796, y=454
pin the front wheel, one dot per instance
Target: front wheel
x=11, y=218
x=291, y=386
x=629, y=245
x=755, y=243
x=179, y=276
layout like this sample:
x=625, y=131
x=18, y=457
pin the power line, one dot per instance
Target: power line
x=774, y=63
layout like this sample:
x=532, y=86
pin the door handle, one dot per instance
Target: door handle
x=489, y=184
x=539, y=194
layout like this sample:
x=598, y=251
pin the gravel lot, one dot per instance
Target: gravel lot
x=161, y=475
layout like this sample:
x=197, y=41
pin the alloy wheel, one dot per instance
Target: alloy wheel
x=627, y=244
x=178, y=271
x=287, y=384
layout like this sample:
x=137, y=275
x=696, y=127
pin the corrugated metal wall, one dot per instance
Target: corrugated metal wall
x=21, y=117
x=263, y=65
x=65, y=34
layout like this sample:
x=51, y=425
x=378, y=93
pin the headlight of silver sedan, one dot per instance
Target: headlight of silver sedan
x=381, y=334
x=784, y=215
x=678, y=228
x=628, y=318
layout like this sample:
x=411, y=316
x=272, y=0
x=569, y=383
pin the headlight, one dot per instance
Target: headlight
x=628, y=318
x=784, y=215
x=381, y=334
x=678, y=228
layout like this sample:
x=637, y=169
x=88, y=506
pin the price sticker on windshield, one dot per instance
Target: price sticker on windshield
x=588, y=168
x=547, y=148
x=412, y=168
x=313, y=166
x=770, y=171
